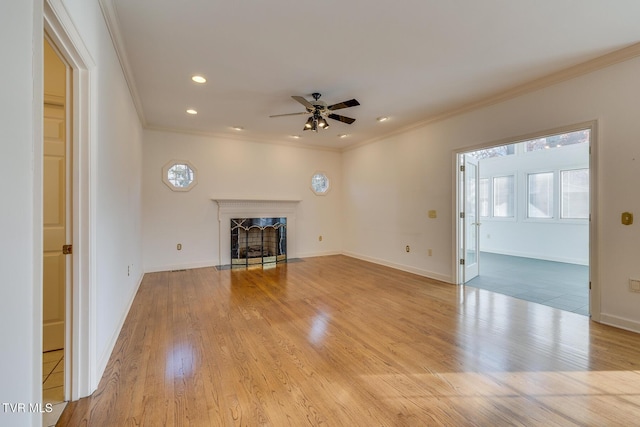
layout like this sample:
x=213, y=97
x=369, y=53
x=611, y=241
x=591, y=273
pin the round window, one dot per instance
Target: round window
x=179, y=175
x=320, y=183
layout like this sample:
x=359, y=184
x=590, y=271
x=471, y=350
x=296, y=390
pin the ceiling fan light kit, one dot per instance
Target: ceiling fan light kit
x=319, y=111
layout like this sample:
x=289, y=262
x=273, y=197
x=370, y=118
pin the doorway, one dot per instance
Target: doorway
x=57, y=226
x=525, y=218
x=80, y=378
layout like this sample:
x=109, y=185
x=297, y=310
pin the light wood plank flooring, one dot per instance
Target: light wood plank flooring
x=340, y=342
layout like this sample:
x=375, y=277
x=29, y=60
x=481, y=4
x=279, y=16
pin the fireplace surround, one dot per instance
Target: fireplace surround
x=229, y=209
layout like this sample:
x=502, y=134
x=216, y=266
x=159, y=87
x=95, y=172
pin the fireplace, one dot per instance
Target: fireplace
x=230, y=210
x=257, y=241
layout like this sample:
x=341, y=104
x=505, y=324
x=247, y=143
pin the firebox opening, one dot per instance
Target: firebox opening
x=258, y=241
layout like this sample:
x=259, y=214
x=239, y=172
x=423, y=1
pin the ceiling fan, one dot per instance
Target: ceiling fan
x=319, y=111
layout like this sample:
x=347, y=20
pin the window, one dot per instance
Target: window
x=483, y=197
x=549, y=186
x=500, y=151
x=555, y=141
x=575, y=193
x=320, y=183
x=540, y=195
x=503, y=196
x=179, y=175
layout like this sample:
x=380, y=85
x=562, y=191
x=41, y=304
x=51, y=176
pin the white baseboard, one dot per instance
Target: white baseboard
x=402, y=267
x=103, y=360
x=186, y=266
x=620, y=322
x=543, y=257
x=315, y=254
x=203, y=264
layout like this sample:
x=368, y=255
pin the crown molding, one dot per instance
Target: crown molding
x=238, y=137
x=111, y=19
x=604, y=61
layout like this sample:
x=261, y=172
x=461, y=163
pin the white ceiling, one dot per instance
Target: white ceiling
x=411, y=60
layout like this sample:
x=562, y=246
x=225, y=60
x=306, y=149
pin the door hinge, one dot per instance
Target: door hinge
x=462, y=215
x=589, y=285
x=461, y=168
x=461, y=261
x=67, y=249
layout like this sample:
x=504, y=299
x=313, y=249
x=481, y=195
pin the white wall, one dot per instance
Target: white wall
x=232, y=169
x=118, y=179
x=390, y=184
x=389, y=187
x=20, y=252
x=117, y=141
x=553, y=239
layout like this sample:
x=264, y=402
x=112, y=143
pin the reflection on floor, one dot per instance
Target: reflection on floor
x=53, y=385
x=555, y=284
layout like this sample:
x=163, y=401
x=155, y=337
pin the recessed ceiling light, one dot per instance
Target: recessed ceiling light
x=295, y=136
x=192, y=111
x=343, y=135
x=382, y=119
x=198, y=79
x=238, y=128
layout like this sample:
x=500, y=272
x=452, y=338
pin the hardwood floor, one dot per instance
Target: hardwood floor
x=340, y=342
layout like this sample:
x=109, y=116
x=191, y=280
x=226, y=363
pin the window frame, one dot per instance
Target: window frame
x=165, y=175
x=553, y=198
x=328, y=181
x=489, y=199
x=561, y=195
x=514, y=200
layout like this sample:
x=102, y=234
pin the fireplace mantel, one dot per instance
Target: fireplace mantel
x=254, y=208
x=251, y=205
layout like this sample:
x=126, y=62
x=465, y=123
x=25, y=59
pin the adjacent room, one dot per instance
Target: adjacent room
x=532, y=220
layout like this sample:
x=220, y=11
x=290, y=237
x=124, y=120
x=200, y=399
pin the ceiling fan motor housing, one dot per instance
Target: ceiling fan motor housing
x=320, y=111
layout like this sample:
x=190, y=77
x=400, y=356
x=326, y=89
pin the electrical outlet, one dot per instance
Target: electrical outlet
x=429, y=252
x=433, y=214
x=407, y=248
x=128, y=270
x=179, y=246
x=320, y=238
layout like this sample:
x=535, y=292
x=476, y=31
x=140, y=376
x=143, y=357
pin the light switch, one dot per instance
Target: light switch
x=433, y=214
x=627, y=218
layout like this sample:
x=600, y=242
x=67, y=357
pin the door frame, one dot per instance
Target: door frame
x=458, y=205
x=80, y=367
x=464, y=162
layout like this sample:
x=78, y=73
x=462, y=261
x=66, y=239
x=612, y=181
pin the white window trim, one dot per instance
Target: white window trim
x=165, y=175
x=516, y=180
x=320, y=193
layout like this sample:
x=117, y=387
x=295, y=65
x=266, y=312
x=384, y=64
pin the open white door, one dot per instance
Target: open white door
x=470, y=217
x=55, y=231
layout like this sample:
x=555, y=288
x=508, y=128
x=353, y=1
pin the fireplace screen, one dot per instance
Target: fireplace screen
x=256, y=241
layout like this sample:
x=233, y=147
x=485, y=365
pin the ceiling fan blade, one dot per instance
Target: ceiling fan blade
x=290, y=114
x=343, y=119
x=309, y=106
x=345, y=104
